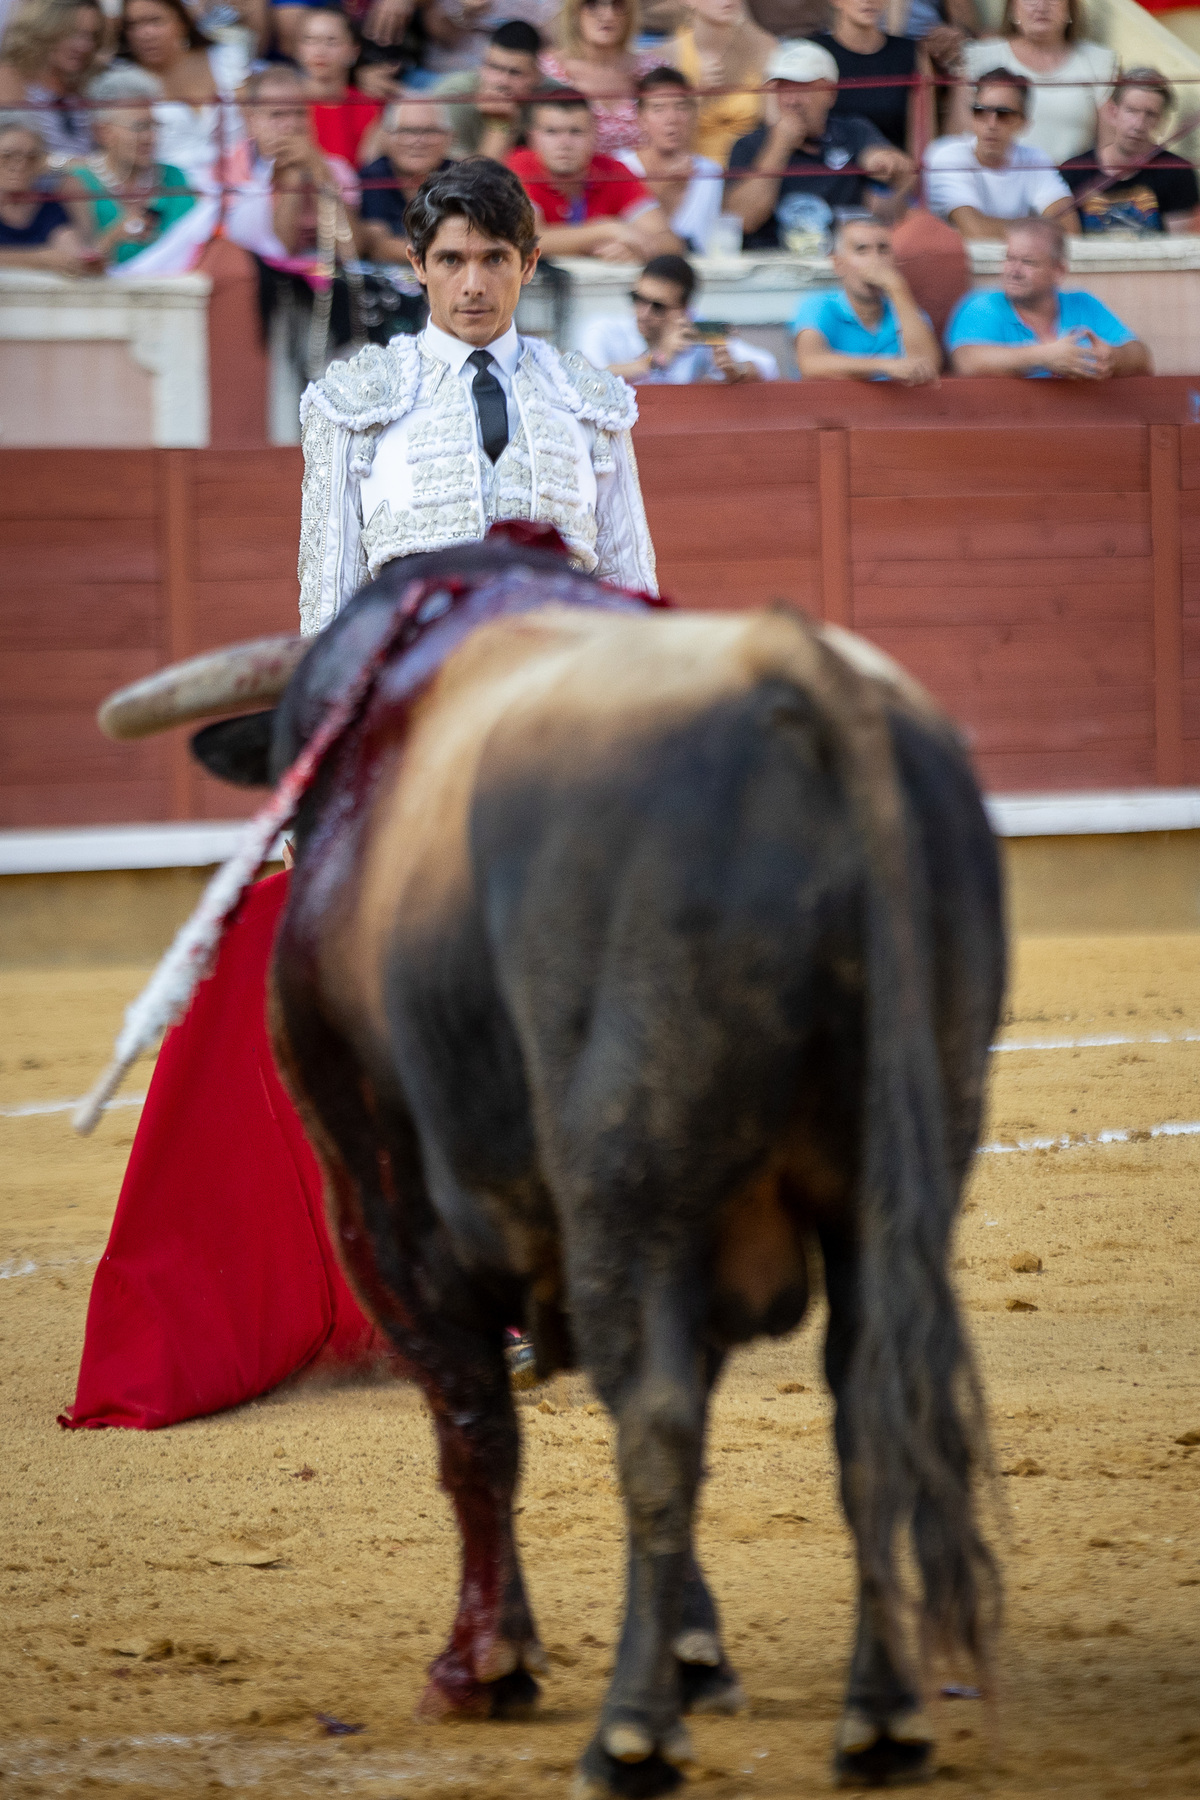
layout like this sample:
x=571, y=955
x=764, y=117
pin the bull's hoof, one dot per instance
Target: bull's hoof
x=710, y=1687
x=601, y=1777
x=874, y=1753
x=453, y=1692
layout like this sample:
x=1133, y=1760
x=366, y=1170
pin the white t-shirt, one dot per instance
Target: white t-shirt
x=1062, y=120
x=700, y=208
x=954, y=177
x=613, y=340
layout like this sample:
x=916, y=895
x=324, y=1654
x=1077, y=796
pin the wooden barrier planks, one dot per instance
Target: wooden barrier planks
x=1040, y=574
x=1013, y=569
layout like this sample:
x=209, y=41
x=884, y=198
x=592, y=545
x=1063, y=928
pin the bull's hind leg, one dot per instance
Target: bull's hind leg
x=384, y=1227
x=883, y=1737
x=708, y=1683
x=644, y=1355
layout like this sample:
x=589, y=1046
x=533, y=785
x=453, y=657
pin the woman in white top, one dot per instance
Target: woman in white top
x=1042, y=40
x=161, y=37
x=687, y=187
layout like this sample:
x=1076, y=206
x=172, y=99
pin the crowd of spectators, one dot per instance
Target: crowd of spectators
x=129, y=138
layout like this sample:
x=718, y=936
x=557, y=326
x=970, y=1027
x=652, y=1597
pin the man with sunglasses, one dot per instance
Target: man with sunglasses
x=662, y=344
x=982, y=182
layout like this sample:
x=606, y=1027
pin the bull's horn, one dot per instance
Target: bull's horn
x=237, y=679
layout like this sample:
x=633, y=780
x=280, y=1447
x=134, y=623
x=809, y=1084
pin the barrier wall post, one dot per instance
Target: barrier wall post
x=176, y=529
x=837, y=606
x=1166, y=542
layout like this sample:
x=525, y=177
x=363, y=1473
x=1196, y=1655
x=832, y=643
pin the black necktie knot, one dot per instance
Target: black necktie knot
x=490, y=404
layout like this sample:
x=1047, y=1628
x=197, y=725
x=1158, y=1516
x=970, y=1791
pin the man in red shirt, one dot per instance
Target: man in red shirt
x=587, y=205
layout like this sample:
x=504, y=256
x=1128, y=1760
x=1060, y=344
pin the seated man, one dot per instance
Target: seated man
x=416, y=140
x=835, y=160
x=662, y=344
x=586, y=204
x=982, y=183
x=688, y=187
x=278, y=174
x=870, y=329
x=1033, y=327
x=1128, y=186
x=35, y=228
x=496, y=118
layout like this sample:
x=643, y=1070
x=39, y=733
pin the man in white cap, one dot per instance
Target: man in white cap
x=830, y=160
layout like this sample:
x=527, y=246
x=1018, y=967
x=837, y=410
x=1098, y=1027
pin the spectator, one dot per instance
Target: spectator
x=161, y=37
x=871, y=328
x=283, y=175
x=722, y=49
x=416, y=138
x=1032, y=327
x=131, y=200
x=1129, y=186
x=861, y=50
x=688, y=187
x=35, y=229
x=981, y=182
x=1041, y=41
x=327, y=48
x=832, y=157
x=587, y=204
x=497, y=120
x=661, y=343
x=594, y=58
x=940, y=27
x=49, y=53
x=461, y=30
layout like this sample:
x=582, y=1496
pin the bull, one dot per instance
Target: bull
x=638, y=972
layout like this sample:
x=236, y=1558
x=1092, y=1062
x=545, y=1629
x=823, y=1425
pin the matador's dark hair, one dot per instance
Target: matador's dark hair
x=479, y=190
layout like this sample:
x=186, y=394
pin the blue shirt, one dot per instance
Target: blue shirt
x=990, y=318
x=833, y=316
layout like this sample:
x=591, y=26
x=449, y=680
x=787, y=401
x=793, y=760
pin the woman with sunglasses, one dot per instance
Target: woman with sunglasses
x=983, y=179
x=594, y=57
x=1042, y=40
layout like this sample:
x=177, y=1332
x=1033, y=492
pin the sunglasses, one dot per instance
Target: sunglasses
x=603, y=5
x=654, y=306
x=996, y=112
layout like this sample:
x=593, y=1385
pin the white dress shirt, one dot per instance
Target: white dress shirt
x=505, y=354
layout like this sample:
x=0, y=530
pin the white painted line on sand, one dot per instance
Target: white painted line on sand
x=1084, y=1139
x=1096, y=1043
x=38, y=1108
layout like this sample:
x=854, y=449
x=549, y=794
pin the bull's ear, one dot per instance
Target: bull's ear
x=237, y=750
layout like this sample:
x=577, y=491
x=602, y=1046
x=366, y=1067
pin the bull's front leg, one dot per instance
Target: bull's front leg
x=487, y=1668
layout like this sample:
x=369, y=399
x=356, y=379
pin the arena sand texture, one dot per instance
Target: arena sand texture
x=179, y=1606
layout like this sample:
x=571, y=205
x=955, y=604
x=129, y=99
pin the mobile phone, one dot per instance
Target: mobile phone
x=711, y=331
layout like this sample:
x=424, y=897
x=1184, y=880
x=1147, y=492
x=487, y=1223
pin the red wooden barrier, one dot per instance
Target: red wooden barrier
x=1030, y=551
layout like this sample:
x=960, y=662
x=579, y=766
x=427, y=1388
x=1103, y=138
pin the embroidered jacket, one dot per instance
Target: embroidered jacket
x=570, y=462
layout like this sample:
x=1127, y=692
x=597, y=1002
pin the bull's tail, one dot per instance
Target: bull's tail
x=914, y=1401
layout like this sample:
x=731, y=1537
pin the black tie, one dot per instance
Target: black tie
x=491, y=406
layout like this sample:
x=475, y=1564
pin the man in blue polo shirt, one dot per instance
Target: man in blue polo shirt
x=1034, y=327
x=871, y=328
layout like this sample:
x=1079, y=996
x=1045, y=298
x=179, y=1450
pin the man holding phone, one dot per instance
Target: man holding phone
x=1034, y=327
x=662, y=343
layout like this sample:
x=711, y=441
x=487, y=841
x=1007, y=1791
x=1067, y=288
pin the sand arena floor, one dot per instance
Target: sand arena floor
x=134, y=1664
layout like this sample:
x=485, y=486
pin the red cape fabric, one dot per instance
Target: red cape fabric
x=219, y=1280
